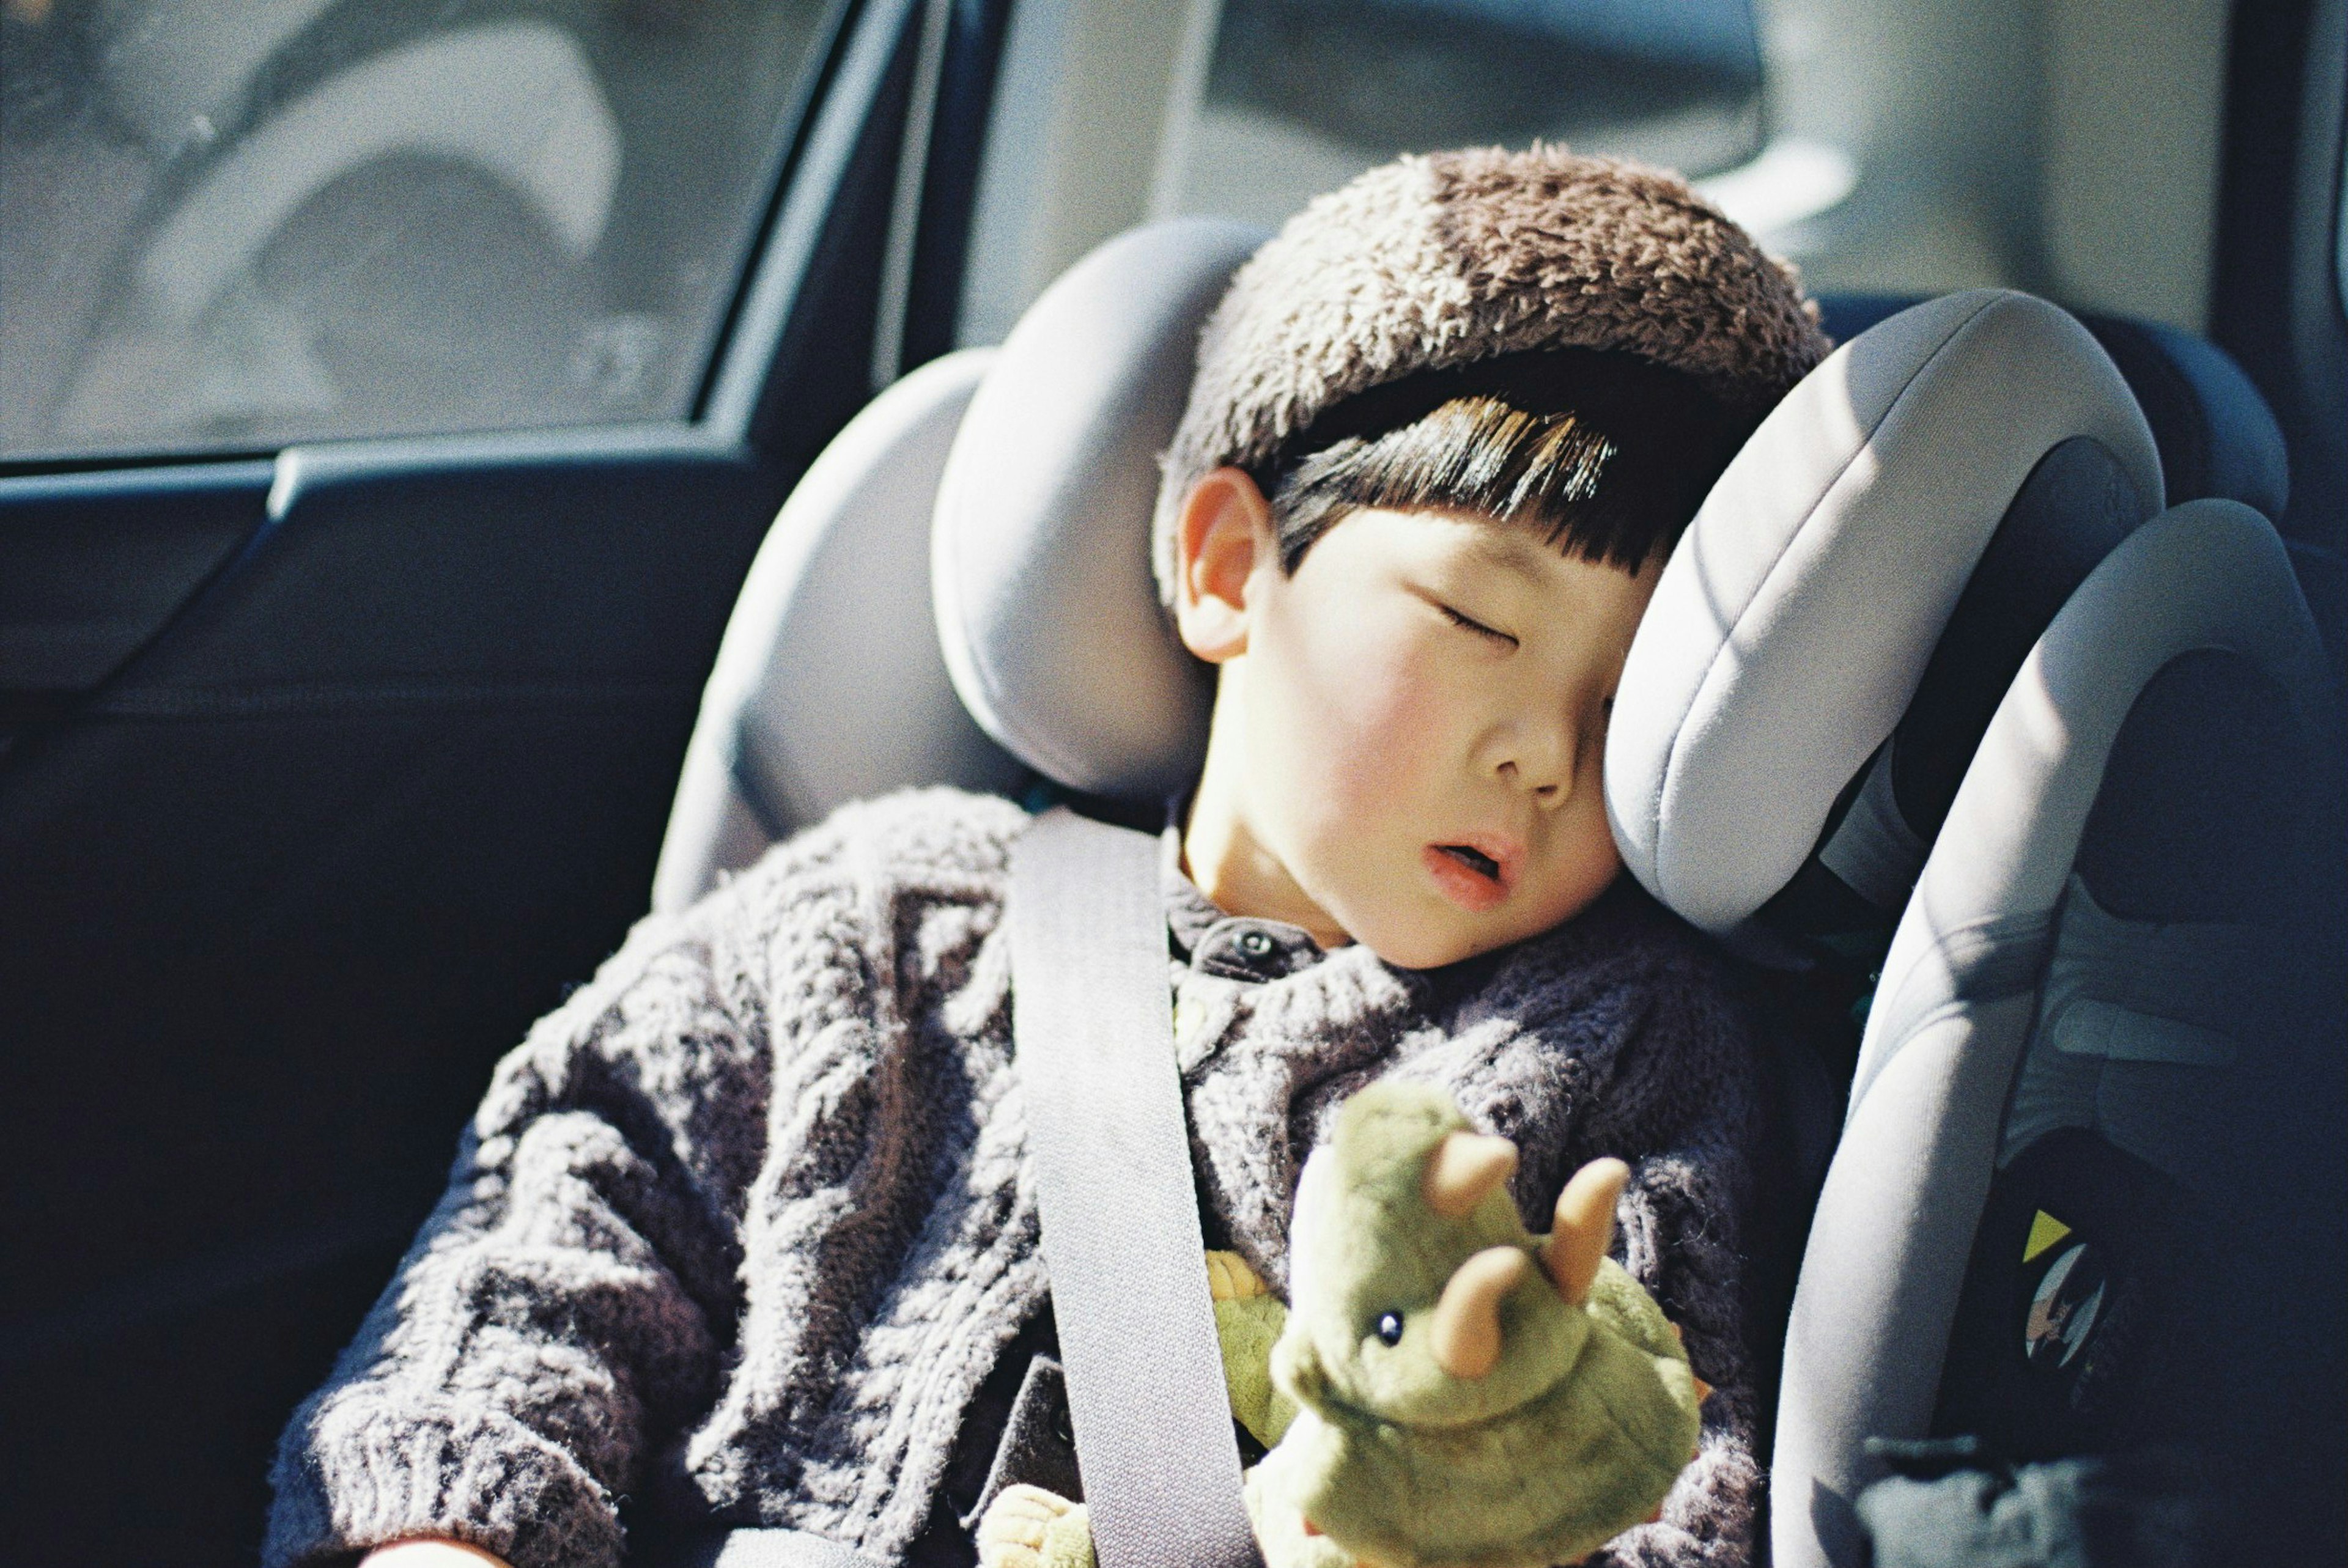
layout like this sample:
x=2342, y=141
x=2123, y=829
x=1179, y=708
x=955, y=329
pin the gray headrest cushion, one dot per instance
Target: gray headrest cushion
x=1795, y=619
x=1046, y=609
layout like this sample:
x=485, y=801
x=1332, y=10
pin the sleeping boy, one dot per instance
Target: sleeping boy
x=743, y=1234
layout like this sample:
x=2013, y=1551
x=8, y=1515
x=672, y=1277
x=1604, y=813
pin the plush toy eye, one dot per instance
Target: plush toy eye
x=1390, y=1329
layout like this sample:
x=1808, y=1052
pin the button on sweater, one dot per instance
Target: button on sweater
x=740, y=1231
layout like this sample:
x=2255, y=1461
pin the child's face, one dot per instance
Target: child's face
x=1409, y=732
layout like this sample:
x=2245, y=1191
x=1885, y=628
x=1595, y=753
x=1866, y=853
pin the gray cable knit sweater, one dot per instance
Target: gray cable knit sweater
x=741, y=1228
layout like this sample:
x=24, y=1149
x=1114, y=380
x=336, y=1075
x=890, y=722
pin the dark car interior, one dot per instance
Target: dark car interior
x=371, y=516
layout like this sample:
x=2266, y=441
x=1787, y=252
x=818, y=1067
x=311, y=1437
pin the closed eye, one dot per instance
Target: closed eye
x=1477, y=626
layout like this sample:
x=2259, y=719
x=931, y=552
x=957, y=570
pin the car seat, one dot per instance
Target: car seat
x=2216, y=436
x=1828, y=640
x=828, y=687
x=1916, y=546
x=2099, y=1082
x=830, y=684
x=2113, y=1119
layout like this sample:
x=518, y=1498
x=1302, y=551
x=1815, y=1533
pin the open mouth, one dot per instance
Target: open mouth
x=1474, y=859
x=1472, y=877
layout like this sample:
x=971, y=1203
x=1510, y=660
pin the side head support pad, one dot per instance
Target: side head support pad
x=1046, y=609
x=1796, y=617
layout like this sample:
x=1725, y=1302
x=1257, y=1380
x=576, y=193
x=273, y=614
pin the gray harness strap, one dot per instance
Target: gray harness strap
x=1093, y=1029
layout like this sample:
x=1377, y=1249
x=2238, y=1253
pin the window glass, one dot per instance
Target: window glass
x=235, y=225
x=1301, y=95
x=1893, y=146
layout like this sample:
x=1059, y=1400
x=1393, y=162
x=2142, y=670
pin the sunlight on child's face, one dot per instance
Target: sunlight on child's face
x=1407, y=750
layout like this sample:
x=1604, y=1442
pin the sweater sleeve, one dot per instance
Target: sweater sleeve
x=1681, y=1107
x=563, y=1308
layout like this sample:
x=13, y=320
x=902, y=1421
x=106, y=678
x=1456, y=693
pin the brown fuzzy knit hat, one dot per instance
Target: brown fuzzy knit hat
x=1432, y=263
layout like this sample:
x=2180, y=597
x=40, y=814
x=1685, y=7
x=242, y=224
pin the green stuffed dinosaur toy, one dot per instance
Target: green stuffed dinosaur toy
x=1448, y=1390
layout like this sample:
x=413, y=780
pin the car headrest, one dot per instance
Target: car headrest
x=2215, y=433
x=1046, y=609
x=1796, y=619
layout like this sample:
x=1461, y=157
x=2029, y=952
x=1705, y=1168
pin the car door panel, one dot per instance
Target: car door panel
x=97, y=564
x=411, y=746
x=283, y=888
x=323, y=775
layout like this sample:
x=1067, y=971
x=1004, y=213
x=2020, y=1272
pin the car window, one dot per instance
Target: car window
x=237, y=226
x=1299, y=96
x=2069, y=149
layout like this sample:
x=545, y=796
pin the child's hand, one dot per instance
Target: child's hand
x=434, y=1554
x=1229, y=1278
x=1248, y=1321
x=1028, y=1527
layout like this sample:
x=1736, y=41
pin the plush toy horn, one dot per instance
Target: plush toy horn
x=1585, y=1226
x=1462, y=1169
x=1465, y=1334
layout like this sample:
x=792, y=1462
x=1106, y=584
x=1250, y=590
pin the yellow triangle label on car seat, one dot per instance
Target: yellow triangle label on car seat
x=2045, y=1230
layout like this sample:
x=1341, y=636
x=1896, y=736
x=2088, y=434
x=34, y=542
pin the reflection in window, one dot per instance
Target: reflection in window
x=1301, y=95
x=236, y=226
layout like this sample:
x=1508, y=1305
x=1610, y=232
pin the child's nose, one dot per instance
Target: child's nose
x=1543, y=760
x=1545, y=791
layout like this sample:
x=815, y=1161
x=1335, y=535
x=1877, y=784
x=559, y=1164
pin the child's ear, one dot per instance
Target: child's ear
x=1222, y=538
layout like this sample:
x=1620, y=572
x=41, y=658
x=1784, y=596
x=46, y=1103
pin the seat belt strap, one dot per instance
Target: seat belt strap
x=1094, y=1037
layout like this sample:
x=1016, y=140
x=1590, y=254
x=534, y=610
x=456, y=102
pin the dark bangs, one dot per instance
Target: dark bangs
x=1605, y=455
